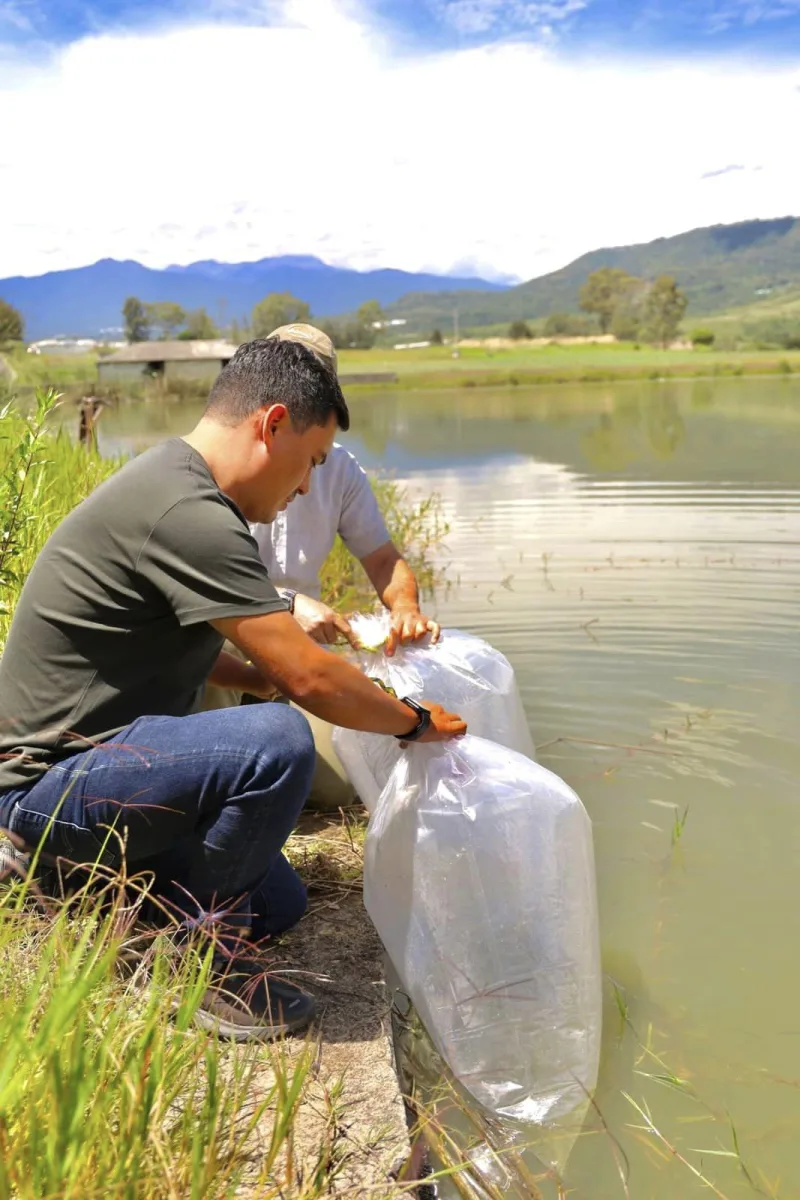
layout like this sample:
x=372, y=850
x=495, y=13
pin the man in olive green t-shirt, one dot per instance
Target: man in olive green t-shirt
x=120, y=624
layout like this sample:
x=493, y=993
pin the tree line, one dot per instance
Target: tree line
x=629, y=308
x=632, y=309
x=165, y=320
x=613, y=301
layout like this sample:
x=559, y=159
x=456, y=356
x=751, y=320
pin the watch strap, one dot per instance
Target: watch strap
x=423, y=724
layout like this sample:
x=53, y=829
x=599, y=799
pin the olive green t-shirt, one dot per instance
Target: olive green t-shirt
x=113, y=621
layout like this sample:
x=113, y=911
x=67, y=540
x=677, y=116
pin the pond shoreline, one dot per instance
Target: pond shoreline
x=398, y=371
x=483, y=378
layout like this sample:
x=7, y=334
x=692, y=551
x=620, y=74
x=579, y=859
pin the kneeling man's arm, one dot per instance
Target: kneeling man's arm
x=324, y=684
x=232, y=672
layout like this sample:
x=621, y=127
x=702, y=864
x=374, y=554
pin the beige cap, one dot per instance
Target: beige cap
x=308, y=335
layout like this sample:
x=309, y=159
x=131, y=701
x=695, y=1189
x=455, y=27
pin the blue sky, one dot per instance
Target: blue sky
x=767, y=28
x=496, y=137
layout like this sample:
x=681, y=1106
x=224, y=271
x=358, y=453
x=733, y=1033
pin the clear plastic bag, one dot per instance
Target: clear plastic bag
x=461, y=672
x=479, y=877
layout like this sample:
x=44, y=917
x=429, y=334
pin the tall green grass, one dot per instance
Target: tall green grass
x=50, y=370
x=417, y=528
x=106, y=1087
x=43, y=475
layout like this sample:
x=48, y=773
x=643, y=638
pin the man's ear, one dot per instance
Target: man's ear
x=271, y=420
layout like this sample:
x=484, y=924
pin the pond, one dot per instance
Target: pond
x=634, y=549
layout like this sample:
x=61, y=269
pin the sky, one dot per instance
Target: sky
x=500, y=138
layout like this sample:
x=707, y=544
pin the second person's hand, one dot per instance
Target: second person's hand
x=408, y=624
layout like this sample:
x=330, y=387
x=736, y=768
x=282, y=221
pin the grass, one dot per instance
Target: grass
x=733, y=324
x=477, y=366
x=106, y=1087
x=50, y=370
x=527, y=365
x=42, y=477
x=417, y=528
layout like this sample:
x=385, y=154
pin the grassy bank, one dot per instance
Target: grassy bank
x=106, y=1088
x=476, y=366
x=531, y=365
x=42, y=477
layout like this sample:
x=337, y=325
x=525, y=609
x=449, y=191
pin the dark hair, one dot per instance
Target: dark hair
x=269, y=371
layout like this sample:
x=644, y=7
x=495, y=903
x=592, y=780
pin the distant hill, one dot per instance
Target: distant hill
x=88, y=300
x=718, y=267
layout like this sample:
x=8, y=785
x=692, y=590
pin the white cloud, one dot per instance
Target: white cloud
x=484, y=16
x=312, y=137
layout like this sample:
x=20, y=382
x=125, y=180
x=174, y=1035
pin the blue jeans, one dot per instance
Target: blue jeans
x=205, y=801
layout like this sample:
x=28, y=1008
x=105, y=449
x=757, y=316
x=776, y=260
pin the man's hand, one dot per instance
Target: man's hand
x=444, y=725
x=321, y=622
x=326, y=684
x=410, y=625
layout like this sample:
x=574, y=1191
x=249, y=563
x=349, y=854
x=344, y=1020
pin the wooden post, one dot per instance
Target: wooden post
x=91, y=408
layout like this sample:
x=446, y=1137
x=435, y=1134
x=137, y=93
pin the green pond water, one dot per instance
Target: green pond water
x=634, y=549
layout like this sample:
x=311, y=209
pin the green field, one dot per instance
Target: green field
x=476, y=366
x=526, y=364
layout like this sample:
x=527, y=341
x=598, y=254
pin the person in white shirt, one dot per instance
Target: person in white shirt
x=340, y=500
x=294, y=546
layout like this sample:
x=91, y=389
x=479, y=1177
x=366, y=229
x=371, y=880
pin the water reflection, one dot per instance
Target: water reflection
x=634, y=425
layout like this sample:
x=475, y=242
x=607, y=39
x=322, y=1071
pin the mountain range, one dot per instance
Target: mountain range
x=719, y=267
x=86, y=301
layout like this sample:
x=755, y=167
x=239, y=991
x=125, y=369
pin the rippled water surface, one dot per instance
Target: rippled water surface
x=635, y=551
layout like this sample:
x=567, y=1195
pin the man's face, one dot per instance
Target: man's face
x=289, y=459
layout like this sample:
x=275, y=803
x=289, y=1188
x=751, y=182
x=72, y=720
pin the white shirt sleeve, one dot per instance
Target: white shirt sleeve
x=361, y=525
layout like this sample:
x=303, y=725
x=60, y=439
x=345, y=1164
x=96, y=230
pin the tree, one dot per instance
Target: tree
x=238, y=332
x=278, y=308
x=663, y=310
x=436, y=338
x=350, y=334
x=370, y=314
x=518, y=330
x=166, y=316
x=558, y=325
x=626, y=323
x=604, y=291
x=566, y=325
x=135, y=317
x=12, y=326
x=703, y=337
x=359, y=335
x=198, y=327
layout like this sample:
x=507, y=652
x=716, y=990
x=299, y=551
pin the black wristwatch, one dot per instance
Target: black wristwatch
x=423, y=724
